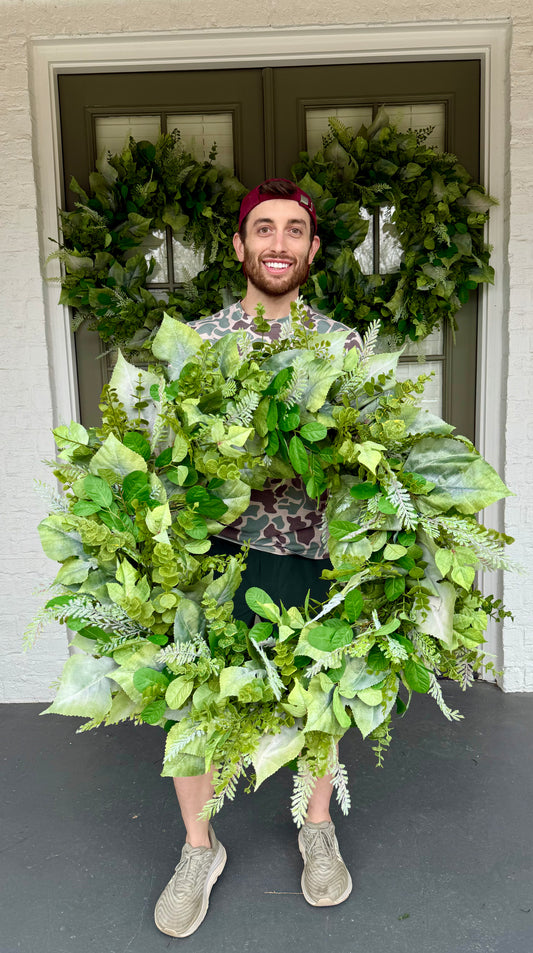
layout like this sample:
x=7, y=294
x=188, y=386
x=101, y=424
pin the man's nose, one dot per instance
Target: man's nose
x=278, y=240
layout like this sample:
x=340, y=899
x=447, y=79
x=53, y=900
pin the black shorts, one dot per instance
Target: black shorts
x=286, y=578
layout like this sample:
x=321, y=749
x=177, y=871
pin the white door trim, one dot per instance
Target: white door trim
x=199, y=49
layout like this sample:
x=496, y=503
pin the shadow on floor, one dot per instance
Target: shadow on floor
x=439, y=841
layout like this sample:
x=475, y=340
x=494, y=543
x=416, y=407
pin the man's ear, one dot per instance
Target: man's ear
x=238, y=246
x=315, y=245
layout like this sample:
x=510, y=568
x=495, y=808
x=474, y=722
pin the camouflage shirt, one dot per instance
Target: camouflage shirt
x=281, y=518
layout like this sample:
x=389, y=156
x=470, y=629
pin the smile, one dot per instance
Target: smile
x=277, y=265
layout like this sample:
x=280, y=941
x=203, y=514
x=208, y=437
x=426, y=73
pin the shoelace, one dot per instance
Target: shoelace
x=191, y=866
x=321, y=847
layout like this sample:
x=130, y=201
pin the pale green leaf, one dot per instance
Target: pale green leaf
x=125, y=379
x=84, y=688
x=273, y=751
x=57, y=543
x=113, y=455
x=175, y=343
x=189, y=621
x=463, y=479
x=178, y=691
x=235, y=677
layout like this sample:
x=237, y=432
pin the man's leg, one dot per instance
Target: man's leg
x=318, y=807
x=192, y=794
x=183, y=904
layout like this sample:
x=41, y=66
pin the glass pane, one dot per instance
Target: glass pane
x=364, y=253
x=112, y=132
x=390, y=250
x=420, y=116
x=316, y=121
x=432, y=396
x=433, y=344
x=155, y=246
x=187, y=262
x=199, y=132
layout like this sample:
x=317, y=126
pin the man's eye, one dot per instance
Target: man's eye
x=296, y=231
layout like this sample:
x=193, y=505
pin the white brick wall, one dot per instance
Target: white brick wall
x=24, y=365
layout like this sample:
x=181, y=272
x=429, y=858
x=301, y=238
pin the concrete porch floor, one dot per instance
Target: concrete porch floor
x=439, y=841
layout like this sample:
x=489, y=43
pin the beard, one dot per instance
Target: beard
x=273, y=285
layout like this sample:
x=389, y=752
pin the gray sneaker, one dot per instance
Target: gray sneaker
x=325, y=879
x=183, y=904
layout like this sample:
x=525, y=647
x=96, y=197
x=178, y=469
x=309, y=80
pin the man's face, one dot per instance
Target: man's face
x=277, y=249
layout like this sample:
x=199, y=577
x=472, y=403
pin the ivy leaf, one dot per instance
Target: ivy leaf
x=273, y=751
x=114, y=456
x=176, y=343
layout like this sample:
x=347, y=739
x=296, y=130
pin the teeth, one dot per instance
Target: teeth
x=278, y=265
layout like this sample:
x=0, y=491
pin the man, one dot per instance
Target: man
x=276, y=243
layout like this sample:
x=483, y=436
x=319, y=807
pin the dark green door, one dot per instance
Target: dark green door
x=262, y=118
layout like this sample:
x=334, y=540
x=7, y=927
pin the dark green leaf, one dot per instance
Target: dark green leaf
x=298, y=455
x=364, y=491
x=338, y=529
x=154, y=711
x=98, y=490
x=136, y=487
x=394, y=587
x=135, y=441
x=261, y=631
x=417, y=676
x=353, y=604
x=164, y=458
x=313, y=432
x=145, y=678
x=85, y=508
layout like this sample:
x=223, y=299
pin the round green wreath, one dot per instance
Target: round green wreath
x=439, y=214
x=180, y=446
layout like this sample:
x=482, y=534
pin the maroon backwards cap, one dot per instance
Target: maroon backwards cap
x=256, y=196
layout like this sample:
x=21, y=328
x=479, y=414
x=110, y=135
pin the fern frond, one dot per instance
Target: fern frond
x=242, y=410
x=303, y=786
x=436, y=693
x=178, y=746
x=54, y=501
x=228, y=778
x=400, y=498
x=339, y=781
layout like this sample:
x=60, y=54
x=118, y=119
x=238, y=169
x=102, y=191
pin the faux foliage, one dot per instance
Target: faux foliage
x=179, y=449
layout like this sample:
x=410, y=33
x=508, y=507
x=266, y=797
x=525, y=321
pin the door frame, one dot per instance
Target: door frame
x=314, y=45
